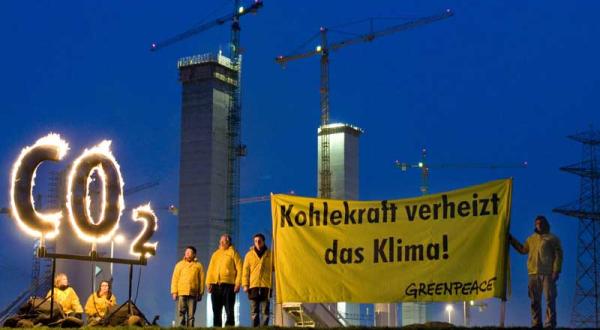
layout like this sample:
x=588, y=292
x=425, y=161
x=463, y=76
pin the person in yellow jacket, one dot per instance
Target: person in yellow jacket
x=187, y=287
x=99, y=303
x=256, y=280
x=223, y=280
x=66, y=297
x=544, y=264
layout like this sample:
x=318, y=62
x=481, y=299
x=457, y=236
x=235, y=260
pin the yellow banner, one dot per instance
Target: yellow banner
x=444, y=247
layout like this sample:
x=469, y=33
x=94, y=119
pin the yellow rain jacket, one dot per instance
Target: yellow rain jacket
x=67, y=299
x=188, y=278
x=98, y=306
x=225, y=267
x=545, y=254
x=257, y=271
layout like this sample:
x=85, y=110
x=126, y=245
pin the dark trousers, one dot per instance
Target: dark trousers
x=223, y=296
x=537, y=285
x=259, y=312
x=186, y=309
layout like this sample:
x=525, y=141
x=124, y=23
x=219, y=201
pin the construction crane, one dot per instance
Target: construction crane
x=138, y=188
x=260, y=199
x=235, y=148
x=245, y=200
x=238, y=12
x=424, y=166
x=323, y=50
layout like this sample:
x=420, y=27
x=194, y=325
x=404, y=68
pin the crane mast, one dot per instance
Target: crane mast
x=424, y=166
x=323, y=50
x=235, y=148
x=325, y=173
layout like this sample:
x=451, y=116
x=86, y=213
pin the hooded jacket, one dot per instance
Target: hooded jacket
x=98, y=306
x=225, y=267
x=544, y=251
x=188, y=278
x=67, y=299
x=257, y=270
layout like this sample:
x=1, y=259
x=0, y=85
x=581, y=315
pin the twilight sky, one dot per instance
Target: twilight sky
x=500, y=82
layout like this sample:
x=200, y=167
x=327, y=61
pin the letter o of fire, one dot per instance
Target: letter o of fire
x=101, y=160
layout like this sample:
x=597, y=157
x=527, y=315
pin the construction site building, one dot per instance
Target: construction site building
x=343, y=154
x=206, y=84
x=344, y=168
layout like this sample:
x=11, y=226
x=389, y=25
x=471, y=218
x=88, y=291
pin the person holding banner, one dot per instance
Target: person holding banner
x=66, y=296
x=223, y=279
x=187, y=287
x=99, y=303
x=256, y=280
x=544, y=263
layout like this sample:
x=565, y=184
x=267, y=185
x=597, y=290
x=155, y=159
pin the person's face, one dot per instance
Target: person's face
x=63, y=281
x=538, y=225
x=189, y=254
x=224, y=243
x=258, y=243
x=104, y=288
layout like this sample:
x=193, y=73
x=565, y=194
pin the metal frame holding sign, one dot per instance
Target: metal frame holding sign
x=98, y=160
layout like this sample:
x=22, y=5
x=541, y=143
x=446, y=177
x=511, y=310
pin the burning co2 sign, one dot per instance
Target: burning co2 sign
x=100, y=160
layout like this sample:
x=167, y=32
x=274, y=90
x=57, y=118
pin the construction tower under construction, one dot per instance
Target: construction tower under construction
x=343, y=143
x=206, y=199
x=586, y=306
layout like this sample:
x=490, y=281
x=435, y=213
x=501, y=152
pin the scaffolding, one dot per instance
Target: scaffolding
x=235, y=148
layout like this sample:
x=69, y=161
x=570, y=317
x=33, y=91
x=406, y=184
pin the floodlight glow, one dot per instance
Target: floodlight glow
x=241, y=10
x=318, y=49
x=51, y=147
x=449, y=310
x=119, y=239
x=101, y=160
x=140, y=245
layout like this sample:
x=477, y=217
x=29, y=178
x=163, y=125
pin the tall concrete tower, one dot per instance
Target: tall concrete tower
x=343, y=154
x=344, y=167
x=207, y=81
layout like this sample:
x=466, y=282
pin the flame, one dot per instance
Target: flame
x=62, y=147
x=103, y=148
x=135, y=216
x=142, y=208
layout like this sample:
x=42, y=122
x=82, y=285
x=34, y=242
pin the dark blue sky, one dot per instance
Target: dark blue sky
x=502, y=81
